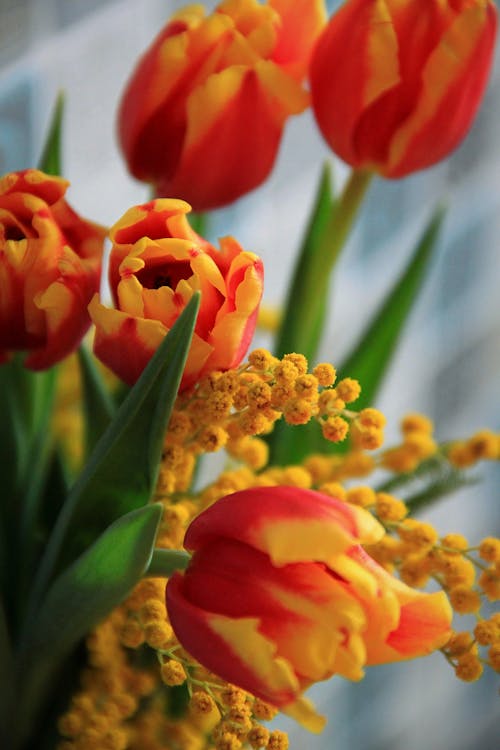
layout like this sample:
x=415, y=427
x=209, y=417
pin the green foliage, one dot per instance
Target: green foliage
x=98, y=406
x=79, y=598
x=121, y=474
x=51, y=159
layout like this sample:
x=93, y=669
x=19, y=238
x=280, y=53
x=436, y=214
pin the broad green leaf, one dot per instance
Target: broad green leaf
x=51, y=159
x=293, y=335
x=307, y=304
x=121, y=474
x=297, y=333
x=371, y=357
x=96, y=582
x=80, y=598
x=98, y=406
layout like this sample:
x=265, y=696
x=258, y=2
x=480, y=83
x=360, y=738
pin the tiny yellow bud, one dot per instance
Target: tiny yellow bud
x=486, y=632
x=261, y=359
x=348, y=390
x=335, y=429
x=158, y=634
x=459, y=643
x=416, y=423
x=389, y=508
x=173, y=673
x=489, y=581
x=469, y=668
x=363, y=496
x=489, y=549
x=484, y=445
x=464, y=600
x=264, y=711
x=297, y=411
x=333, y=489
x=278, y=741
x=454, y=543
x=371, y=418
x=325, y=373
x=258, y=737
x=132, y=635
x=298, y=360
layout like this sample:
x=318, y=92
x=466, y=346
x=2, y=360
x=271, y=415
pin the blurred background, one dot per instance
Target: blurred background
x=448, y=364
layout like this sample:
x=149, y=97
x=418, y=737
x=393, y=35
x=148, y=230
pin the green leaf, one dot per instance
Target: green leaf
x=51, y=159
x=26, y=403
x=122, y=471
x=98, y=406
x=293, y=334
x=6, y=669
x=96, y=582
x=371, y=357
x=79, y=599
x=199, y=222
x=285, y=444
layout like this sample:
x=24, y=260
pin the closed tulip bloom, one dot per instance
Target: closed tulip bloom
x=396, y=84
x=203, y=114
x=50, y=264
x=279, y=594
x=157, y=262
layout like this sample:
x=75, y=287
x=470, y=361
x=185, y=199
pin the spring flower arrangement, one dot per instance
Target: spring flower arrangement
x=144, y=606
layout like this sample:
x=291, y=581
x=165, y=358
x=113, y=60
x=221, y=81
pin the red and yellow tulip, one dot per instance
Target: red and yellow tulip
x=396, y=84
x=279, y=594
x=157, y=263
x=50, y=264
x=203, y=114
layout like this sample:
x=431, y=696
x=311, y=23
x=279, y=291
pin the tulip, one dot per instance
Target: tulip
x=157, y=262
x=279, y=594
x=50, y=263
x=396, y=84
x=203, y=114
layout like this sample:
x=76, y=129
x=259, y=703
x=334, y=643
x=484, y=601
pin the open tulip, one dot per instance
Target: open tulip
x=203, y=114
x=50, y=263
x=279, y=594
x=396, y=84
x=157, y=262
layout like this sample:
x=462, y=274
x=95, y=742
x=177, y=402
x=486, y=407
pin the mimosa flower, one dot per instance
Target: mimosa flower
x=157, y=263
x=396, y=84
x=203, y=114
x=50, y=264
x=279, y=594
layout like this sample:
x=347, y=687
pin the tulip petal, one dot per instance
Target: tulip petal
x=234, y=649
x=453, y=83
x=292, y=525
x=301, y=24
x=235, y=117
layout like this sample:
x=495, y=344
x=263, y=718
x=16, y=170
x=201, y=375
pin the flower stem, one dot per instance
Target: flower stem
x=164, y=562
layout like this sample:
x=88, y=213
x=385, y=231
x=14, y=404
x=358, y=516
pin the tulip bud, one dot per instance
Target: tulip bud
x=203, y=114
x=396, y=84
x=279, y=594
x=157, y=263
x=50, y=264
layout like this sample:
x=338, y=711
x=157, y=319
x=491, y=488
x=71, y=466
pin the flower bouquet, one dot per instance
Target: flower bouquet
x=153, y=597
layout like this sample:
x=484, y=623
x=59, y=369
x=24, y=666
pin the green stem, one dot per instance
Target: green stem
x=306, y=306
x=164, y=562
